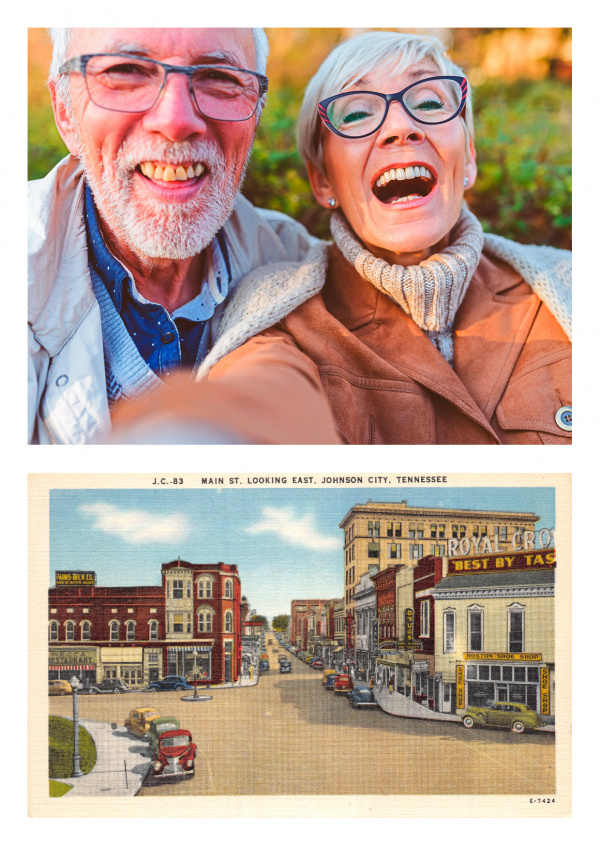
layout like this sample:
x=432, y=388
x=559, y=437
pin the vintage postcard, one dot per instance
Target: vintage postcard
x=280, y=645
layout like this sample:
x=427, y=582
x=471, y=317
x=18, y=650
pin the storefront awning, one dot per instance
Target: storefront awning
x=178, y=649
x=339, y=649
x=72, y=667
x=393, y=660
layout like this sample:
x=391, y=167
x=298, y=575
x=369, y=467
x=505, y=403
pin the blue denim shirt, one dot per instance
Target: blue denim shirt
x=166, y=342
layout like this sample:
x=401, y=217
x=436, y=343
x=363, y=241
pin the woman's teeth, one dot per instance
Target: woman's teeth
x=171, y=173
x=403, y=173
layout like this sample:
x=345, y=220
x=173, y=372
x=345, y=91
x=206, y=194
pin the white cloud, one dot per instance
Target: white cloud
x=137, y=527
x=293, y=529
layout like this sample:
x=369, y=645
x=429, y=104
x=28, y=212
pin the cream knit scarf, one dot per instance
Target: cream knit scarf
x=430, y=292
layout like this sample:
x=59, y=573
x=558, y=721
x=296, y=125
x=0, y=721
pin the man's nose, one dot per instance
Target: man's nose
x=399, y=127
x=174, y=114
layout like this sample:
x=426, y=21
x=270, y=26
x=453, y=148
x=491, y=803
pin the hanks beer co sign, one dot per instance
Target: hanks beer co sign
x=535, y=560
x=75, y=578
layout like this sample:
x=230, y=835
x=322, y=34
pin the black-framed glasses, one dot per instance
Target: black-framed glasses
x=356, y=114
x=122, y=82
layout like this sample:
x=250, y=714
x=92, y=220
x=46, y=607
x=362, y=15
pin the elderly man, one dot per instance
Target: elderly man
x=138, y=236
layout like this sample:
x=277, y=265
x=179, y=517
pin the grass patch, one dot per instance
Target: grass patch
x=60, y=752
x=57, y=788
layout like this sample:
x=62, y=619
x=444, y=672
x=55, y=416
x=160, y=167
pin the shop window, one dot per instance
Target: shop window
x=86, y=630
x=53, y=630
x=471, y=671
x=507, y=673
x=114, y=630
x=153, y=630
x=130, y=630
x=519, y=674
x=495, y=672
x=475, y=624
x=449, y=631
x=533, y=674
x=515, y=629
x=69, y=630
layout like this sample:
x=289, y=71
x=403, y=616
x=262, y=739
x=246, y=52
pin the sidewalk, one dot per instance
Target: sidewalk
x=121, y=765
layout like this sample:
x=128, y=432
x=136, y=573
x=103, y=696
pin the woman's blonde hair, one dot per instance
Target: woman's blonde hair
x=355, y=58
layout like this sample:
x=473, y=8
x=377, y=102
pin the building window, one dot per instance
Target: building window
x=515, y=629
x=69, y=630
x=420, y=530
x=373, y=551
x=394, y=550
x=228, y=621
x=205, y=589
x=449, y=631
x=390, y=530
x=177, y=588
x=398, y=530
x=441, y=530
x=130, y=630
x=228, y=589
x=415, y=551
x=153, y=630
x=463, y=531
x=53, y=630
x=475, y=532
x=114, y=630
x=178, y=623
x=433, y=530
x=205, y=620
x=454, y=530
x=86, y=630
x=475, y=625
x=425, y=618
x=411, y=530
x=503, y=533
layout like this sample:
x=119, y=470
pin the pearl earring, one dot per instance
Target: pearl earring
x=465, y=181
x=332, y=202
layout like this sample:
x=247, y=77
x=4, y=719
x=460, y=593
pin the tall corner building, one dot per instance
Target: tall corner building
x=392, y=533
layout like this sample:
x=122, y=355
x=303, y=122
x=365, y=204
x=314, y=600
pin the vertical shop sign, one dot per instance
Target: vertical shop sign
x=460, y=685
x=544, y=690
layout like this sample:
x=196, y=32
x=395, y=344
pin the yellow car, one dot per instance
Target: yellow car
x=59, y=687
x=328, y=673
x=138, y=721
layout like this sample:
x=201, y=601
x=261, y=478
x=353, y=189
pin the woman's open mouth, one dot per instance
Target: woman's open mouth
x=402, y=185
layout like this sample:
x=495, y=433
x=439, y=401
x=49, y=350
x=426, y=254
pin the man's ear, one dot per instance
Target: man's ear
x=64, y=120
x=470, y=164
x=320, y=185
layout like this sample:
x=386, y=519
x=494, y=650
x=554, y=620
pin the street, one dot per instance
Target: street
x=288, y=735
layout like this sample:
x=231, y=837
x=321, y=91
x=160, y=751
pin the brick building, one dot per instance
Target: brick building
x=190, y=625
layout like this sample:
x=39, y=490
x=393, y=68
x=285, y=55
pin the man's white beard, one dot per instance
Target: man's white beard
x=156, y=228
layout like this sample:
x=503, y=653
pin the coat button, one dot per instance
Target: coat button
x=168, y=337
x=564, y=418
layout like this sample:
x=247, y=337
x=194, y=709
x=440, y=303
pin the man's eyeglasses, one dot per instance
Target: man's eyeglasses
x=356, y=114
x=123, y=82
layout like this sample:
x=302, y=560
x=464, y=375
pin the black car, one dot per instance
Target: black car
x=105, y=686
x=263, y=666
x=285, y=666
x=170, y=683
x=362, y=697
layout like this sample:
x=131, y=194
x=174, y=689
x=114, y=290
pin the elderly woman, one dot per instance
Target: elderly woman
x=422, y=329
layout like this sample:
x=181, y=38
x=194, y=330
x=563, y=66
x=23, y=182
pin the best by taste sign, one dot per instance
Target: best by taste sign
x=541, y=560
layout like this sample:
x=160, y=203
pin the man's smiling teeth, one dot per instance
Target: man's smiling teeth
x=403, y=173
x=171, y=173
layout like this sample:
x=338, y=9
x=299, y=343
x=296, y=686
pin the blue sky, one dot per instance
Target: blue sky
x=286, y=542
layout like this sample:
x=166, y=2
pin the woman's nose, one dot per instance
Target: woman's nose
x=399, y=128
x=174, y=114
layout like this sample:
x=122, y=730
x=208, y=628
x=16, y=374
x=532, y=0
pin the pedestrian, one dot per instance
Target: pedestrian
x=371, y=681
x=391, y=685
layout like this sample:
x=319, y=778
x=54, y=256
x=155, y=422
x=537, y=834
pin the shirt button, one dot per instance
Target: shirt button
x=168, y=337
x=564, y=418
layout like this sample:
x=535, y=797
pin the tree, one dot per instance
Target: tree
x=260, y=619
x=281, y=622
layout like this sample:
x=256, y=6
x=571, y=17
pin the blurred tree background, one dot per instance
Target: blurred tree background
x=521, y=81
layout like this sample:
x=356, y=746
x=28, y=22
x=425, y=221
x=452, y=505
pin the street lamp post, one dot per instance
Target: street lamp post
x=76, y=756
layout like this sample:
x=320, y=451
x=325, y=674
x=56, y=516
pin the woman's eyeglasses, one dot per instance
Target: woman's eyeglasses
x=123, y=82
x=356, y=114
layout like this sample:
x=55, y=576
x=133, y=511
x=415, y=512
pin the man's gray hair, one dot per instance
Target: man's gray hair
x=357, y=57
x=61, y=39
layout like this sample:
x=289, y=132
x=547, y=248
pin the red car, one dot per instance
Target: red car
x=176, y=754
x=343, y=684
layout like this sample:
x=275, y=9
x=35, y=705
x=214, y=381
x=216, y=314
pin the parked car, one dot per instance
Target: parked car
x=285, y=666
x=513, y=715
x=139, y=720
x=263, y=666
x=317, y=664
x=170, y=683
x=362, y=697
x=328, y=672
x=308, y=659
x=105, y=686
x=330, y=680
x=158, y=727
x=175, y=754
x=59, y=687
x=343, y=684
